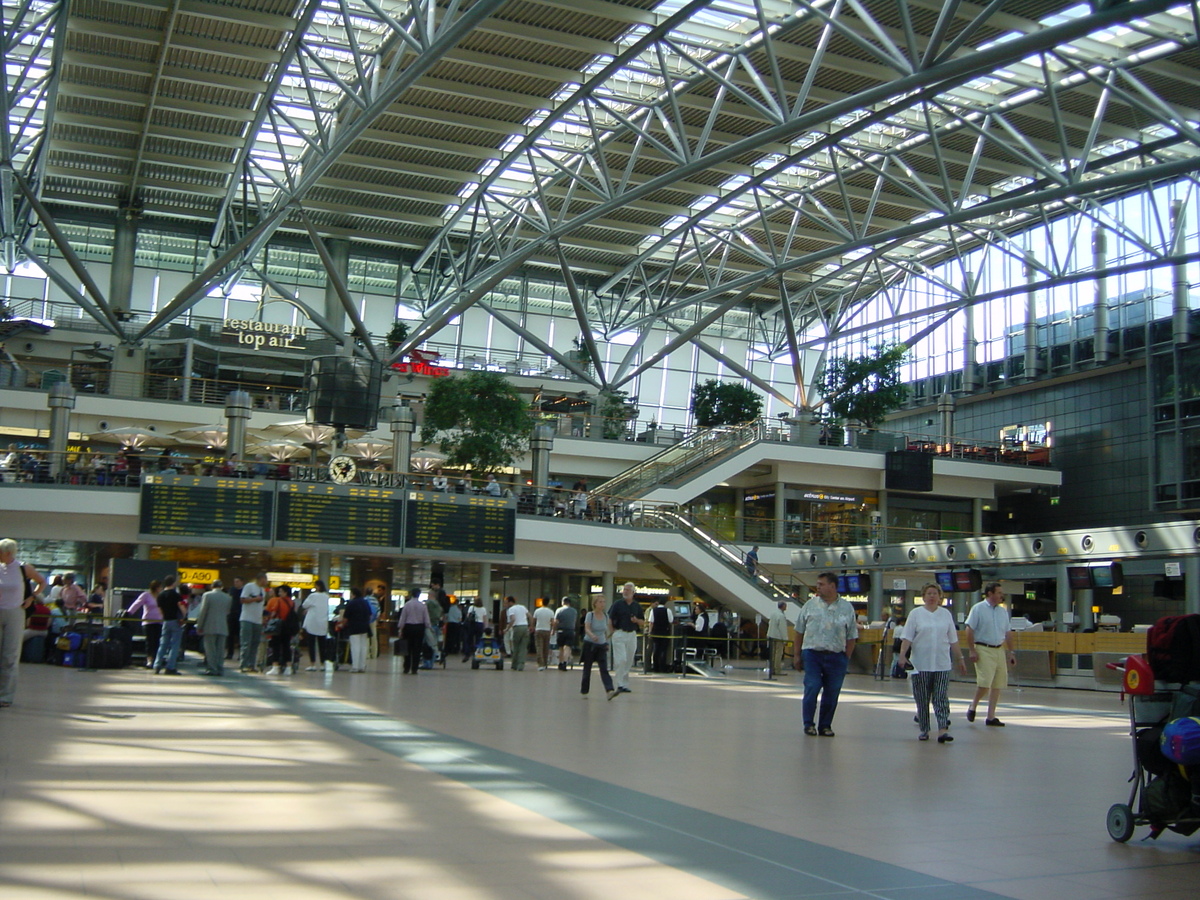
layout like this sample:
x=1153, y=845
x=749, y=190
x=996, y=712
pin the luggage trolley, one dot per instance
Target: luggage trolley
x=1150, y=705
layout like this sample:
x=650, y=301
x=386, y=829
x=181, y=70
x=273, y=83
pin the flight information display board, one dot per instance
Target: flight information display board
x=460, y=524
x=339, y=517
x=183, y=508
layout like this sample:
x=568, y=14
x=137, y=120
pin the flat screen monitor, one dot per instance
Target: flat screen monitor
x=968, y=580
x=1079, y=577
x=856, y=583
x=1109, y=576
x=945, y=580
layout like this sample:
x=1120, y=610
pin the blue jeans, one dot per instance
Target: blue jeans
x=824, y=673
x=169, y=646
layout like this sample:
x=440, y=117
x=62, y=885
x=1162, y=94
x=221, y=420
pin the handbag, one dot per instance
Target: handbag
x=273, y=626
x=899, y=671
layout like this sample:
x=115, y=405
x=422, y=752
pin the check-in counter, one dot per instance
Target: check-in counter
x=1036, y=653
x=866, y=651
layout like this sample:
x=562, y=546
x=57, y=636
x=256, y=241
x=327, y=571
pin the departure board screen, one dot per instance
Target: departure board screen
x=183, y=507
x=339, y=517
x=460, y=524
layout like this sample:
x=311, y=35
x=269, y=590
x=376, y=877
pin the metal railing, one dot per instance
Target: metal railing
x=692, y=455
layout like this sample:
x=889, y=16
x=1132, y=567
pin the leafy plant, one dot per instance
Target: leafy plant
x=478, y=419
x=396, y=336
x=616, y=409
x=724, y=403
x=865, y=388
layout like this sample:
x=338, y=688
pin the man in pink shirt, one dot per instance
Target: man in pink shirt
x=74, y=597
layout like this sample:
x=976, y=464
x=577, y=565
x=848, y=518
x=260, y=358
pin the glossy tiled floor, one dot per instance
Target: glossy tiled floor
x=485, y=784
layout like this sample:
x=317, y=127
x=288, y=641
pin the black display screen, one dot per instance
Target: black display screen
x=183, y=507
x=460, y=524
x=341, y=517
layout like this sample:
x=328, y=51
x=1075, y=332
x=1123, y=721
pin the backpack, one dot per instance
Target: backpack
x=1165, y=798
x=290, y=626
x=1180, y=741
x=1173, y=648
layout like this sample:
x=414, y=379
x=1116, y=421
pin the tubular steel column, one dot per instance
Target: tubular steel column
x=1032, y=368
x=61, y=400
x=540, y=445
x=237, y=414
x=1063, y=604
x=1191, y=584
x=875, y=599
x=485, y=587
x=120, y=283
x=1100, y=335
x=1179, y=281
x=403, y=426
x=335, y=313
x=970, y=365
x=324, y=565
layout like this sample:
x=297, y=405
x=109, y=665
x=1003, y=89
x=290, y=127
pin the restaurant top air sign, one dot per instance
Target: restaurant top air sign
x=264, y=335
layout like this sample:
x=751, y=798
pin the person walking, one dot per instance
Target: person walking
x=212, y=623
x=152, y=621
x=543, y=627
x=413, y=620
x=626, y=616
x=16, y=578
x=990, y=646
x=566, y=621
x=597, y=629
x=930, y=637
x=826, y=632
x=516, y=623
x=777, y=635
x=477, y=619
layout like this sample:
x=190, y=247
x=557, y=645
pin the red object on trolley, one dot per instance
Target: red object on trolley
x=1139, y=678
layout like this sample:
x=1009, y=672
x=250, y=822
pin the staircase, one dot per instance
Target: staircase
x=688, y=458
x=758, y=592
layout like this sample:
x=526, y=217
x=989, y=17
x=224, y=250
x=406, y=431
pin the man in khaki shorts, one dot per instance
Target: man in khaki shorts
x=990, y=647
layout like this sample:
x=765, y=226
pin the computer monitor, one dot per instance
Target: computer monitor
x=1079, y=577
x=945, y=580
x=968, y=580
x=1108, y=576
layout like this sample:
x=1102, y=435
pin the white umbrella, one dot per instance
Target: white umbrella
x=131, y=436
x=214, y=436
x=426, y=459
x=279, y=449
x=369, y=448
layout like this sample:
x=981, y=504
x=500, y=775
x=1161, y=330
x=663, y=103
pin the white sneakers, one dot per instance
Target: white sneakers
x=274, y=670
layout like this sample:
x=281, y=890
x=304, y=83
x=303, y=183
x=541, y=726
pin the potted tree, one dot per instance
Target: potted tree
x=862, y=390
x=724, y=403
x=615, y=410
x=397, y=335
x=477, y=419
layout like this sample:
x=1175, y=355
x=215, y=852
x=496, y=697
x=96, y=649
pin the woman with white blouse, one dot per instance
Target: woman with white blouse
x=930, y=638
x=315, y=626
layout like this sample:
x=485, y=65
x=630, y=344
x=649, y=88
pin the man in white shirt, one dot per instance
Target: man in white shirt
x=516, y=619
x=543, y=623
x=777, y=634
x=990, y=647
x=251, y=622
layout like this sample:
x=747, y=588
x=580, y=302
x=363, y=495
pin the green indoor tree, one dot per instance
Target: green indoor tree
x=724, y=403
x=865, y=388
x=478, y=419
